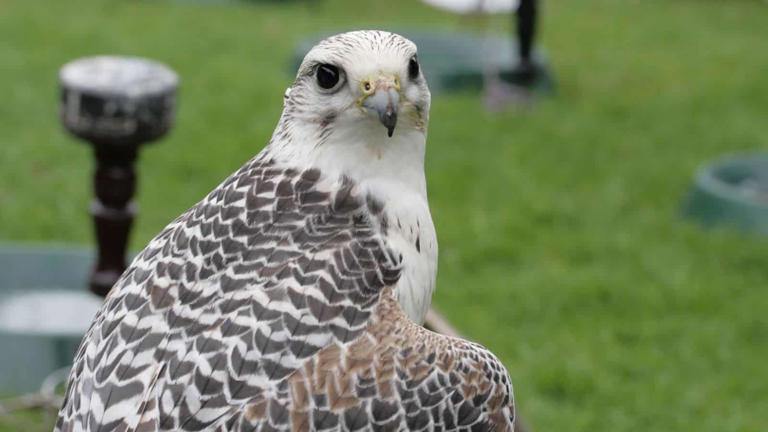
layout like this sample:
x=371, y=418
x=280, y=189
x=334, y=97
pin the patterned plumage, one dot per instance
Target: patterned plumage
x=285, y=299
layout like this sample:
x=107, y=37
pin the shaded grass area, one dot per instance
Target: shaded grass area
x=561, y=245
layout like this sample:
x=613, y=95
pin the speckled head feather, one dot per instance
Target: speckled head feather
x=314, y=114
x=285, y=299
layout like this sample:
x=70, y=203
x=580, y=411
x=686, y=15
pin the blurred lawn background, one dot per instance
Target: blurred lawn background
x=561, y=248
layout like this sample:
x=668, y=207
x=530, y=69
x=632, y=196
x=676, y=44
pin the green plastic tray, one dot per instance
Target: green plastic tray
x=29, y=355
x=732, y=191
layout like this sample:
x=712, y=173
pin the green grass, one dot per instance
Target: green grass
x=561, y=245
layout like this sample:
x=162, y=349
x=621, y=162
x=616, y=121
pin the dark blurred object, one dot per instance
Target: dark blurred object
x=731, y=191
x=116, y=104
x=526, y=27
x=526, y=69
x=530, y=72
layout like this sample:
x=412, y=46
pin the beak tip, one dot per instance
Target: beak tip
x=385, y=104
x=389, y=120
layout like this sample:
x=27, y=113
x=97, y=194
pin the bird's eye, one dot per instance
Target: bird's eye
x=327, y=76
x=413, y=68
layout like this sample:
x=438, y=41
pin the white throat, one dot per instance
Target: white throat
x=359, y=150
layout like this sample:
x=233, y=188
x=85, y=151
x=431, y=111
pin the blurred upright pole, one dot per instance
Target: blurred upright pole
x=117, y=104
x=526, y=28
x=114, y=184
x=526, y=70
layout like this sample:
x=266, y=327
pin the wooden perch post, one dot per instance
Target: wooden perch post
x=116, y=104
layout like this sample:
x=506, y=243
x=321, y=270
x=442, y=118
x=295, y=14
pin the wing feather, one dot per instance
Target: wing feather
x=269, y=306
x=399, y=376
x=230, y=299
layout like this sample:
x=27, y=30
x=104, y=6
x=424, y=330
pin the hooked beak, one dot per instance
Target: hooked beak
x=385, y=102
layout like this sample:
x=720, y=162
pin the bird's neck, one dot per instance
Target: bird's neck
x=362, y=152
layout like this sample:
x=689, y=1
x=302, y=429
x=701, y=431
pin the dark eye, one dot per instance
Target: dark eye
x=413, y=68
x=327, y=76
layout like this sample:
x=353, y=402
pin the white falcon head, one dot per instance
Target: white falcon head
x=362, y=88
x=362, y=78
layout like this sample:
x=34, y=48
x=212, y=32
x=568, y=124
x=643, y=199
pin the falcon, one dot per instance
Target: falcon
x=289, y=298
